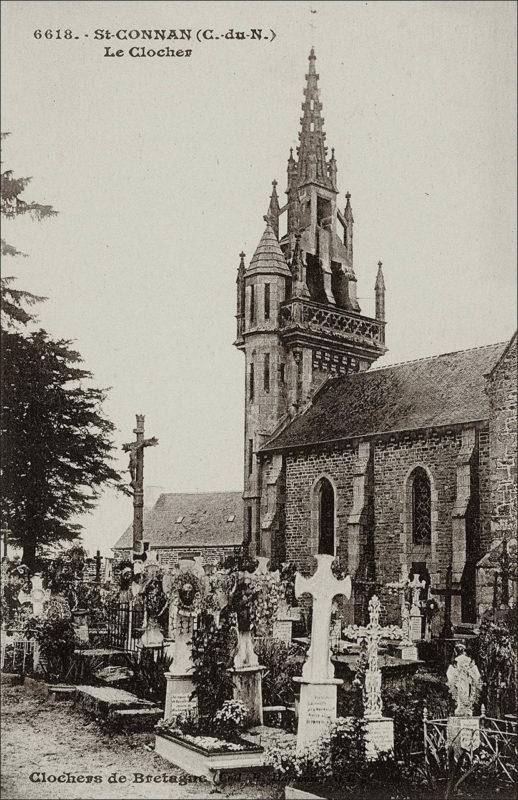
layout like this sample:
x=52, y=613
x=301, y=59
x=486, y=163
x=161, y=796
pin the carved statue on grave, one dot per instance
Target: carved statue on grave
x=241, y=598
x=464, y=682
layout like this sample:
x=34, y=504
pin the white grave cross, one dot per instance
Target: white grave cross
x=323, y=587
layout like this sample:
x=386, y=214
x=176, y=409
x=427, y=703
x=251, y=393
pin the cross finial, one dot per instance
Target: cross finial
x=274, y=183
x=380, y=264
x=348, y=195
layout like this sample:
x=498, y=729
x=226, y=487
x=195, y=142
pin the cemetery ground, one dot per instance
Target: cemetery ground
x=42, y=736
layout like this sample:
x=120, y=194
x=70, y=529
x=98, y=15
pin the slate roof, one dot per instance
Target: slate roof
x=430, y=392
x=204, y=521
x=268, y=256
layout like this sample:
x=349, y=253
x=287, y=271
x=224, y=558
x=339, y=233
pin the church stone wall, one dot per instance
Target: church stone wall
x=302, y=473
x=394, y=461
x=503, y=443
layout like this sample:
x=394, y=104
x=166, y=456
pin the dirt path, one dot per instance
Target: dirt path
x=41, y=737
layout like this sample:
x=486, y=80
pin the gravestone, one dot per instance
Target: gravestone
x=379, y=731
x=464, y=683
x=407, y=650
x=179, y=678
x=247, y=674
x=283, y=624
x=180, y=685
x=416, y=617
x=318, y=686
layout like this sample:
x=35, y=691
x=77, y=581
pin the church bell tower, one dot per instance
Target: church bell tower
x=298, y=317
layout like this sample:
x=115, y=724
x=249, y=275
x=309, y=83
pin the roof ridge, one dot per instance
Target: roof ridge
x=429, y=358
x=210, y=491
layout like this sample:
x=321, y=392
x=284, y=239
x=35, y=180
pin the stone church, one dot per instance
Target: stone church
x=397, y=470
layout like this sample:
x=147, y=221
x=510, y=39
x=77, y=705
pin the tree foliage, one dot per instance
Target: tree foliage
x=56, y=439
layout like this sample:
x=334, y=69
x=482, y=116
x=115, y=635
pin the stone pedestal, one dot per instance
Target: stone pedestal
x=248, y=688
x=317, y=709
x=463, y=733
x=178, y=696
x=408, y=652
x=379, y=736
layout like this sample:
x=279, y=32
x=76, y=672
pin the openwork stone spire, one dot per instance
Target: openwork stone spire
x=312, y=150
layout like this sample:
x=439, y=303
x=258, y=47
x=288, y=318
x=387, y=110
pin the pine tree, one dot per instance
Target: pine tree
x=56, y=441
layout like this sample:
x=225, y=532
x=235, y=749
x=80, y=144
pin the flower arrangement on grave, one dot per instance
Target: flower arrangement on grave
x=354, y=632
x=334, y=762
x=232, y=718
x=243, y=596
x=431, y=608
x=287, y=572
x=269, y=592
x=186, y=589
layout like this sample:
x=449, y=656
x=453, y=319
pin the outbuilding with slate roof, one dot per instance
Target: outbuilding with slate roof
x=178, y=526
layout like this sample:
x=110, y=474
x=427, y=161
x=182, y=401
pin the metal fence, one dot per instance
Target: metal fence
x=16, y=652
x=493, y=742
x=125, y=626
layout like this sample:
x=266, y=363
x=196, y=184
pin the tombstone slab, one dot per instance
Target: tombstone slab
x=379, y=736
x=178, y=701
x=283, y=629
x=408, y=652
x=317, y=709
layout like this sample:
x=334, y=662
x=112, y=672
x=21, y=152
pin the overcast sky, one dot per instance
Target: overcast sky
x=161, y=169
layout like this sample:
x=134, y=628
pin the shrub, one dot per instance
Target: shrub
x=212, y=655
x=148, y=680
x=283, y=663
x=56, y=639
x=497, y=654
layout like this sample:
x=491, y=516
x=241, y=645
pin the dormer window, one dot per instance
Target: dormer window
x=179, y=520
x=231, y=518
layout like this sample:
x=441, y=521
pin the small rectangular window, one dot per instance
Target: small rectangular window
x=145, y=546
x=267, y=301
x=250, y=456
x=231, y=518
x=267, y=372
x=252, y=304
x=251, y=386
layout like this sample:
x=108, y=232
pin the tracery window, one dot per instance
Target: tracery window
x=421, y=507
x=326, y=517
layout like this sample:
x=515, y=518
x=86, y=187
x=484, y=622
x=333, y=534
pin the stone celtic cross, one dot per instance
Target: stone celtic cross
x=323, y=587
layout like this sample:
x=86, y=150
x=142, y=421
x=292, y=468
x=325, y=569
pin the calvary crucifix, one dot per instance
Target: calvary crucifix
x=136, y=470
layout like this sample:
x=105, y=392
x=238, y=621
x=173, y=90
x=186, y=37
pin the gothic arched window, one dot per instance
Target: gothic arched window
x=326, y=517
x=421, y=507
